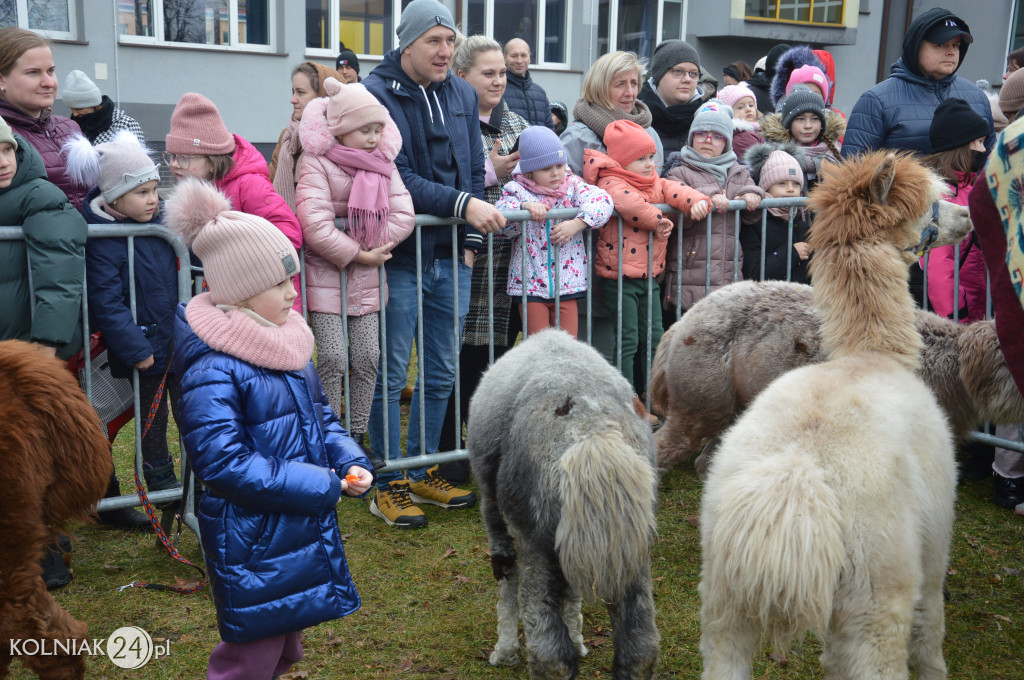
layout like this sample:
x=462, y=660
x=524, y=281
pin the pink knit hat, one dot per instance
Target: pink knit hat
x=730, y=94
x=242, y=254
x=779, y=167
x=197, y=128
x=811, y=75
x=626, y=141
x=350, y=107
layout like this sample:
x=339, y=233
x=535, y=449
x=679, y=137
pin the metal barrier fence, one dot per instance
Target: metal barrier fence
x=188, y=274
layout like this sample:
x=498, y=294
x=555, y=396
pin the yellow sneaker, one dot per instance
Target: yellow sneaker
x=394, y=506
x=438, y=491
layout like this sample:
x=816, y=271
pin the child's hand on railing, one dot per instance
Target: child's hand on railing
x=802, y=249
x=562, y=232
x=700, y=210
x=752, y=199
x=538, y=211
x=664, y=228
x=143, y=364
x=721, y=202
x=376, y=256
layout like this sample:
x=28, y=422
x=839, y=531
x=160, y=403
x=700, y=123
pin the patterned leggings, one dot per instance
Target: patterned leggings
x=331, y=358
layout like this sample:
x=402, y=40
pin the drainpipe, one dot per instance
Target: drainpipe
x=883, y=44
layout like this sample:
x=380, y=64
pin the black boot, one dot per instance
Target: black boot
x=55, y=569
x=160, y=478
x=129, y=519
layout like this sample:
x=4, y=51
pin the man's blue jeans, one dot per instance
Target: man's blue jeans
x=439, y=354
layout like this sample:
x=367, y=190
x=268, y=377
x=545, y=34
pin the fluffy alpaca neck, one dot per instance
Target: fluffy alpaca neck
x=860, y=291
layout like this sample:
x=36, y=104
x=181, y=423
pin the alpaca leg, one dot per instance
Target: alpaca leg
x=634, y=633
x=572, y=615
x=506, y=649
x=542, y=589
x=870, y=643
x=728, y=638
x=929, y=630
x=53, y=626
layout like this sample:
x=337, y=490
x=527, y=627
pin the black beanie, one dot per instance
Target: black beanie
x=955, y=124
x=774, y=54
x=347, y=56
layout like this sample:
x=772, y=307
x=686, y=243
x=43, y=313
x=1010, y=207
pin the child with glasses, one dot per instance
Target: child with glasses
x=708, y=164
x=199, y=145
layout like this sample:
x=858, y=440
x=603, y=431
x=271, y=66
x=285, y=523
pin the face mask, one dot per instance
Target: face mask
x=978, y=159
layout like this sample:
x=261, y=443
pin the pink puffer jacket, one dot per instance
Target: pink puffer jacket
x=941, y=267
x=322, y=195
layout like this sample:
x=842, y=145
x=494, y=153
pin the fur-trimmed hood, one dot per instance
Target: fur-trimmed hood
x=317, y=139
x=740, y=125
x=791, y=60
x=773, y=131
x=758, y=154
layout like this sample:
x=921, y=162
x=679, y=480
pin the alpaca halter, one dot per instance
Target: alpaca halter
x=929, y=235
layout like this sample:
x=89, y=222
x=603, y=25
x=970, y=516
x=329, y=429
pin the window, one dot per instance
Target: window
x=51, y=18
x=801, y=11
x=634, y=25
x=223, y=23
x=363, y=26
x=541, y=23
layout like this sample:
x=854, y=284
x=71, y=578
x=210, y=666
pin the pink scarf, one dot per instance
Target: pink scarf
x=549, y=197
x=368, y=205
x=287, y=347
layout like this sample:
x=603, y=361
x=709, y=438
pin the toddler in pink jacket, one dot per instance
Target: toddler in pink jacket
x=347, y=170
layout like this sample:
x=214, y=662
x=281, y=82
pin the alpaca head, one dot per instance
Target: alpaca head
x=884, y=197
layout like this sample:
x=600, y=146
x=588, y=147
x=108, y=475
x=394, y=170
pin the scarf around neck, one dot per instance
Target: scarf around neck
x=639, y=181
x=284, y=176
x=597, y=118
x=368, y=204
x=99, y=121
x=549, y=197
x=717, y=166
x=288, y=347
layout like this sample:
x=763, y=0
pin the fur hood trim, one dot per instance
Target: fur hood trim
x=316, y=139
x=739, y=125
x=758, y=154
x=791, y=60
x=192, y=206
x=772, y=130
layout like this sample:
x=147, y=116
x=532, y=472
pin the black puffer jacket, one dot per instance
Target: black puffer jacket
x=528, y=99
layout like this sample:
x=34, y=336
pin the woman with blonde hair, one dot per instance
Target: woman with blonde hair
x=610, y=91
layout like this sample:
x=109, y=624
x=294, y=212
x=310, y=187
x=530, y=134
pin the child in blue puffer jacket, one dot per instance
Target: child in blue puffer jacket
x=262, y=437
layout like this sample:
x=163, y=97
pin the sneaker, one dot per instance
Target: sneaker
x=1007, y=492
x=55, y=567
x=437, y=491
x=394, y=506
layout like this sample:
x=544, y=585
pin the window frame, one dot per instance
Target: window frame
x=659, y=26
x=233, y=32
x=21, y=9
x=799, y=22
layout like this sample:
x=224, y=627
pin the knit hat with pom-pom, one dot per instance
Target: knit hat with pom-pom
x=714, y=116
x=350, y=107
x=117, y=166
x=197, y=128
x=242, y=254
x=771, y=163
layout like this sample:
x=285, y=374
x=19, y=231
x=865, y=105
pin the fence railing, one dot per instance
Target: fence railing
x=190, y=278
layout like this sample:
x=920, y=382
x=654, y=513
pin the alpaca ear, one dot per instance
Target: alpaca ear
x=882, y=180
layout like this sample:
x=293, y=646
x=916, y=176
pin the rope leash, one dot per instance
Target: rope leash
x=151, y=513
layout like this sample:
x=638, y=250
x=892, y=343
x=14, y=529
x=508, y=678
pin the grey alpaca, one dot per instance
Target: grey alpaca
x=568, y=490
x=732, y=344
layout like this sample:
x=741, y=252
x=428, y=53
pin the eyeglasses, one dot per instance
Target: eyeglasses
x=708, y=136
x=181, y=159
x=679, y=74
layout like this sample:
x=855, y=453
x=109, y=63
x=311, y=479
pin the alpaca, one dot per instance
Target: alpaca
x=567, y=483
x=829, y=504
x=733, y=343
x=54, y=467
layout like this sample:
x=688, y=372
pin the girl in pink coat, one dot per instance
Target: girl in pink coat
x=957, y=135
x=347, y=170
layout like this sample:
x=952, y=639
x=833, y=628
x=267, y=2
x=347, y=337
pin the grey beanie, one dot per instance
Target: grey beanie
x=668, y=54
x=79, y=92
x=420, y=16
x=801, y=100
x=713, y=116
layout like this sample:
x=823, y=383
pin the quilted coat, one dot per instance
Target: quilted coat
x=941, y=267
x=322, y=195
x=52, y=257
x=595, y=207
x=639, y=217
x=264, y=443
x=156, y=293
x=528, y=99
x=47, y=135
x=694, y=236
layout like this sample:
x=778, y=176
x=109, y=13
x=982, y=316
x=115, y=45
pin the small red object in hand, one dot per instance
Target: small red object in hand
x=351, y=479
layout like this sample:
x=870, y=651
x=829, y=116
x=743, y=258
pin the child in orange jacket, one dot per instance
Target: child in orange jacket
x=627, y=171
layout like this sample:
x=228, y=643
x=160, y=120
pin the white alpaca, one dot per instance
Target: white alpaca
x=829, y=504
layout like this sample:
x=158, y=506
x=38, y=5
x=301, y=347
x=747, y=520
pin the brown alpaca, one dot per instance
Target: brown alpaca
x=54, y=467
x=733, y=343
x=828, y=507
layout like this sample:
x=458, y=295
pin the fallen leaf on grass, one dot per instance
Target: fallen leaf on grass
x=404, y=665
x=693, y=520
x=295, y=675
x=112, y=568
x=345, y=537
x=449, y=552
x=459, y=578
x=1003, y=618
x=185, y=583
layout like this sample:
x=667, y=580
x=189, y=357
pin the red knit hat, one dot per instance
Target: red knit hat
x=625, y=141
x=197, y=128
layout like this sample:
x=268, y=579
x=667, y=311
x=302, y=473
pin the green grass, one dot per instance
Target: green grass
x=428, y=598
